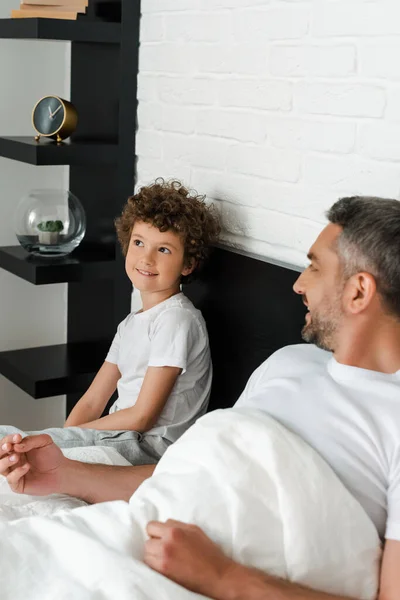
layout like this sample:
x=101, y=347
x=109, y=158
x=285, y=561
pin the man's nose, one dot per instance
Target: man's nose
x=298, y=285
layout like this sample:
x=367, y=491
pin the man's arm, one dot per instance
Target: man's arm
x=36, y=466
x=186, y=555
x=101, y=483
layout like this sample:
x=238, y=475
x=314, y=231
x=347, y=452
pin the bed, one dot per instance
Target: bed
x=255, y=488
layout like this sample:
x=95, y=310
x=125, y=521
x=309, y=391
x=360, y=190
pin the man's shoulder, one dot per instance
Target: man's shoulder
x=304, y=356
x=304, y=352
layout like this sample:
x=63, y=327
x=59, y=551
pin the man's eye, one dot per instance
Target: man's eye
x=137, y=243
x=165, y=250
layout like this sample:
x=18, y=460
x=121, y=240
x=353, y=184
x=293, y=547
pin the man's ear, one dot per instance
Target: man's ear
x=360, y=290
x=189, y=267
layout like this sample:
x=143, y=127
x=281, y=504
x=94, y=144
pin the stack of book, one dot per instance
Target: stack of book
x=50, y=9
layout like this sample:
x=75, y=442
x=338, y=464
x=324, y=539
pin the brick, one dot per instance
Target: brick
x=178, y=119
x=357, y=18
x=243, y=59
x=149, y=115
x=274, y=228
x=313, y=61
x=151, y=28
x=195, y=151
x=255, y=93
x=311, y=134
x=202, y=27
x=189, y=90
x=234, y=188
x=164, y=58
x=155, y=6
x=271, y=163
x=149, y=144
x=379, y=60
x=242, y=126
x=348, y=176
x=278, y=23
x=213, y=4
x=147, y=87
x=380, y=140
x=149, y=169
x=393, y=104
x=352, y=99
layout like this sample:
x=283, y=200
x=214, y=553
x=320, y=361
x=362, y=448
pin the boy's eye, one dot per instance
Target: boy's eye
x=165, y=250
x=137, y=243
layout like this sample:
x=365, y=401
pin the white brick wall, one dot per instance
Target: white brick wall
x=273, y=108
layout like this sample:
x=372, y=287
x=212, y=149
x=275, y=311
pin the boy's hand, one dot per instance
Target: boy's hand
x=32, y=465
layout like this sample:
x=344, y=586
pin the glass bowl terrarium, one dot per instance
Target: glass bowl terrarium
x=50, y=223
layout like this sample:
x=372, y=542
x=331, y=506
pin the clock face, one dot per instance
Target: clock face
x=48, y=115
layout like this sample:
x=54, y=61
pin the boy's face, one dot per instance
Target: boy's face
x=155, y=261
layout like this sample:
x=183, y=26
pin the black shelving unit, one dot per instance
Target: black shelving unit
x=101, y=156
x=79, y=153
x=85, y=264
x=85, y=30
x=53, y=370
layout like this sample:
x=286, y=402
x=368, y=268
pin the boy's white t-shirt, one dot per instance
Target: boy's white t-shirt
x=351, y=416
x=170, y=334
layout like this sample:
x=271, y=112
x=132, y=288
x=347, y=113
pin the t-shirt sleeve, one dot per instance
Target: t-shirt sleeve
x=175, y=333
x=393, y=503
x=113, y=353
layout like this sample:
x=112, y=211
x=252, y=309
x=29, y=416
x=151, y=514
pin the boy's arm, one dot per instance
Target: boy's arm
x=93, y=402
x=156, y=388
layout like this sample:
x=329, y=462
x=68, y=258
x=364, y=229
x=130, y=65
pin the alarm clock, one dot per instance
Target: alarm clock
x=54, y=118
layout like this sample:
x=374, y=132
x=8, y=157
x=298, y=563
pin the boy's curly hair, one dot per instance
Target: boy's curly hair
x=170, y=206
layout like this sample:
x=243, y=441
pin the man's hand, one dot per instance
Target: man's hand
x=32, y=465
x=186, y=555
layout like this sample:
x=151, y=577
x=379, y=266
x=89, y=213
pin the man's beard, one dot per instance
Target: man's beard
x=321, y=331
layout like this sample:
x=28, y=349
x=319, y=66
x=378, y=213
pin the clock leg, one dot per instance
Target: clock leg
x=37, y=138
x=59, y=139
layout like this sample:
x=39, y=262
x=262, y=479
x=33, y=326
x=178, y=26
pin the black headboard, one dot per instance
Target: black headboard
x=251, y=311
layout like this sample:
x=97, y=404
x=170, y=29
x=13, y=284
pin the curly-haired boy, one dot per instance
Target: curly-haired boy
x=159, y=360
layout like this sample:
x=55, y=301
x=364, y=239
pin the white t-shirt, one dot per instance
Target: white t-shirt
x=170, y=334
x=351, y=416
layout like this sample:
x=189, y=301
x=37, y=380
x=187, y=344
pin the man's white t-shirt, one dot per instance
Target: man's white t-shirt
x=171, y=334
x=351, y=416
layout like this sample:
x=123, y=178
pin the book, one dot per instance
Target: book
x=56, y=2
x=34, y=14
x=53, y=9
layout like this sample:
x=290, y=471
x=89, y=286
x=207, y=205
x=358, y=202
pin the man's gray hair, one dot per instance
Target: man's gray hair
x=370, y=242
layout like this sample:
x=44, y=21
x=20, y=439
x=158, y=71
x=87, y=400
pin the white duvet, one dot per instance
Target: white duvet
x=255, y=488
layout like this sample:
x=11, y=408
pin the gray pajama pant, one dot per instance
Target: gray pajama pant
x=137, y=448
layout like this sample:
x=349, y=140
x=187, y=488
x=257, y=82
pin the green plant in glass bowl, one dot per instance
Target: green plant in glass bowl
x=49, y=231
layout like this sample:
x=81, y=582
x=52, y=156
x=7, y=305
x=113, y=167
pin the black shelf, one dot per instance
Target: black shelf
x=101, y=156
x=82, y=265
x=54, y=370
x=82, y=30
x=74, y=153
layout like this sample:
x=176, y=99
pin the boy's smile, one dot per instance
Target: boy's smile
x=155, y=262
x=146, y=273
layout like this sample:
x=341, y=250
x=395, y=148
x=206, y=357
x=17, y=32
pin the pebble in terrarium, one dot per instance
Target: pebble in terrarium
x=50, y=223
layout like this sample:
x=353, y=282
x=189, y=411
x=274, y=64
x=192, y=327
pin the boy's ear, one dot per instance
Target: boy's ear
x=189, y=268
